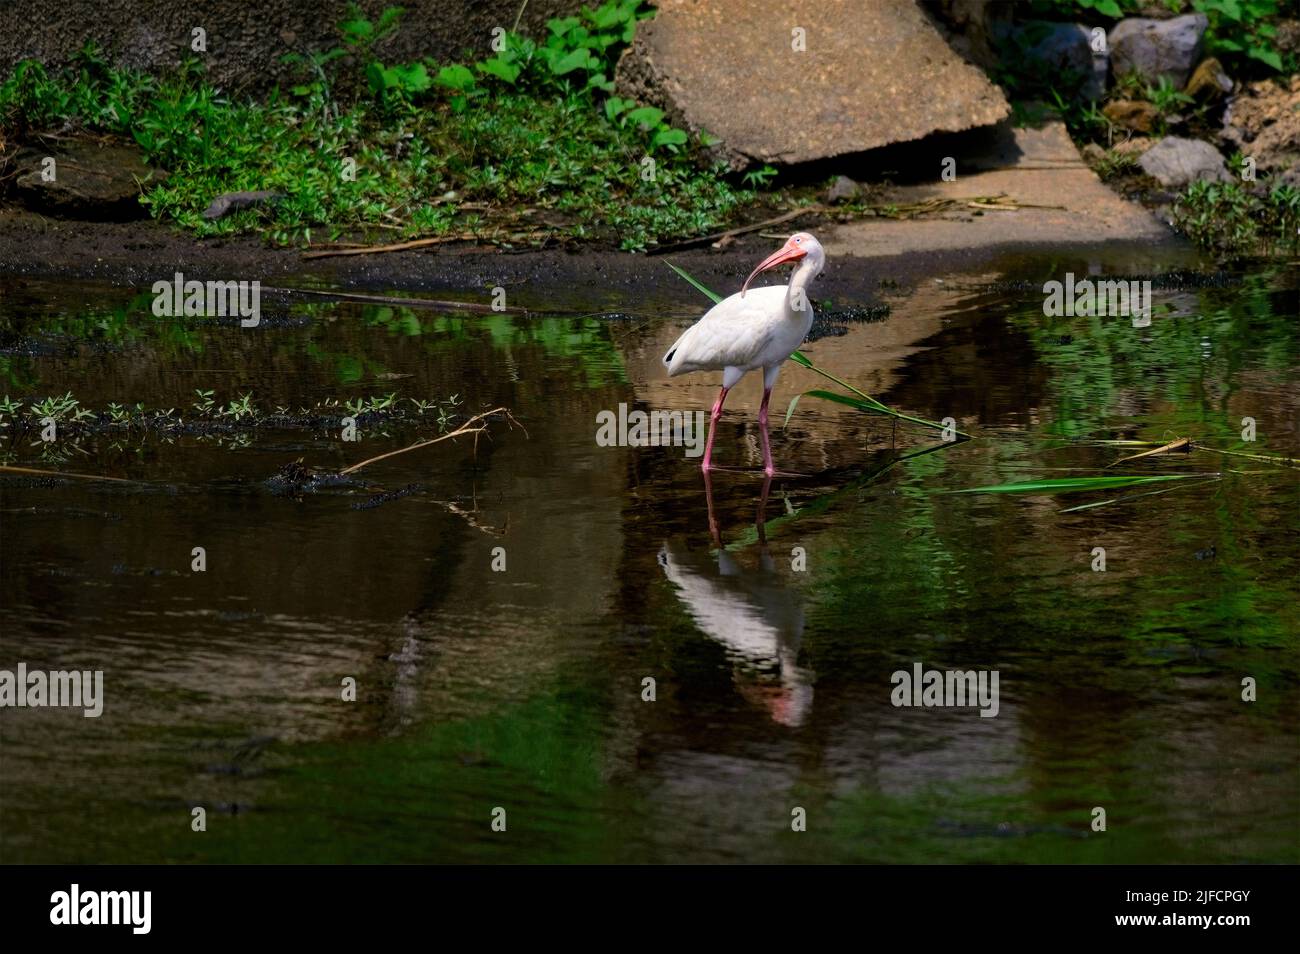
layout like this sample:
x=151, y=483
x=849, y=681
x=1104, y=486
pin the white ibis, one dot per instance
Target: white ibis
x=746, y=332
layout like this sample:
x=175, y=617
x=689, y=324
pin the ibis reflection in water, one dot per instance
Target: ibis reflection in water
x=752, y=612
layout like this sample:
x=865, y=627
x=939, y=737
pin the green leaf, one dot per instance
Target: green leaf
x=613, y=106
x=575, y=60
x=609, y=15
x=646, y=116
x=1068, y=485
x=562, y=25
x=698, y=287
x=455, y=77
x=507, y=72
x=870, y=404
x=356, y=30
x=376, y=78
x=668, y=137
x=413, y=78
x=1265, y=55
x=790, y=410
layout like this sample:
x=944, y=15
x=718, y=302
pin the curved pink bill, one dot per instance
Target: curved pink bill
x=789, y=253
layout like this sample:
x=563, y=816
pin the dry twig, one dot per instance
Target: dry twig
x=476, y=425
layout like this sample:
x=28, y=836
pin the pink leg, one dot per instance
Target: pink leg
x=768, y=467
x=713, y=424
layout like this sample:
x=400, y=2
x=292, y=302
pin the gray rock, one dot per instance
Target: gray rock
x=1176, y=162
x=223, y=205
x=843, y=189
x=868, y=74
x=92, y=180
x=1056, y=52
x=1155, y=48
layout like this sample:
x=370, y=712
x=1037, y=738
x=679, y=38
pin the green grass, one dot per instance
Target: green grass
x=1229, y=218
x=527, y=145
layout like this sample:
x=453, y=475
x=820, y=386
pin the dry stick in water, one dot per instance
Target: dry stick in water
x=1182, y=443
x=61, y=473
x=475, y=425
x=447, y=304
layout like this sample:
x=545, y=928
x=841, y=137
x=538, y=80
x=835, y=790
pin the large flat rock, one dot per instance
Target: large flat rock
x=84, y=178
x=1063, y=203
x=871, y=74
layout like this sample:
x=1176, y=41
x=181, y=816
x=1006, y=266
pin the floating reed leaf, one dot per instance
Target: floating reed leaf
x=1068, y=485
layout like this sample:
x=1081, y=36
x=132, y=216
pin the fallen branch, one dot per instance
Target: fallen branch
x=441, y=304
x=475, y=425
x=1182, y=443
x=938, y=204
x=374, y=249
x=731, y=233
x=60, y=473
x=1284, y=461
x=422, y=243
x=470, y=519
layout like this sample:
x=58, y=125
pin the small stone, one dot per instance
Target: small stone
x=1132, y=114
x=1092, y=153
x=1056, y=50
x=1156, y=48
x=1209, y=82
x=1175, y=162
x=223, y=205
x=843, y=189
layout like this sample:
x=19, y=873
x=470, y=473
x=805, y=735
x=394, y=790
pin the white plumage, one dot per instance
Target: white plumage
x=751, y=330
x=740, y=333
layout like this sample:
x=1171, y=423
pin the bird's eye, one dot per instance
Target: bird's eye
x=797, y=241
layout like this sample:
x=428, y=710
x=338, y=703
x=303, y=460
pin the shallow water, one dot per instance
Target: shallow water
x=522, y=689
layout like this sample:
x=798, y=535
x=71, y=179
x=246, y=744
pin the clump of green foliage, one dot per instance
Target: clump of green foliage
x=1245, y=30
x=529, y=142
x=1231, y=219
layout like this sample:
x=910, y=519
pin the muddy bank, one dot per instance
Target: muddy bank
x=137, y=254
